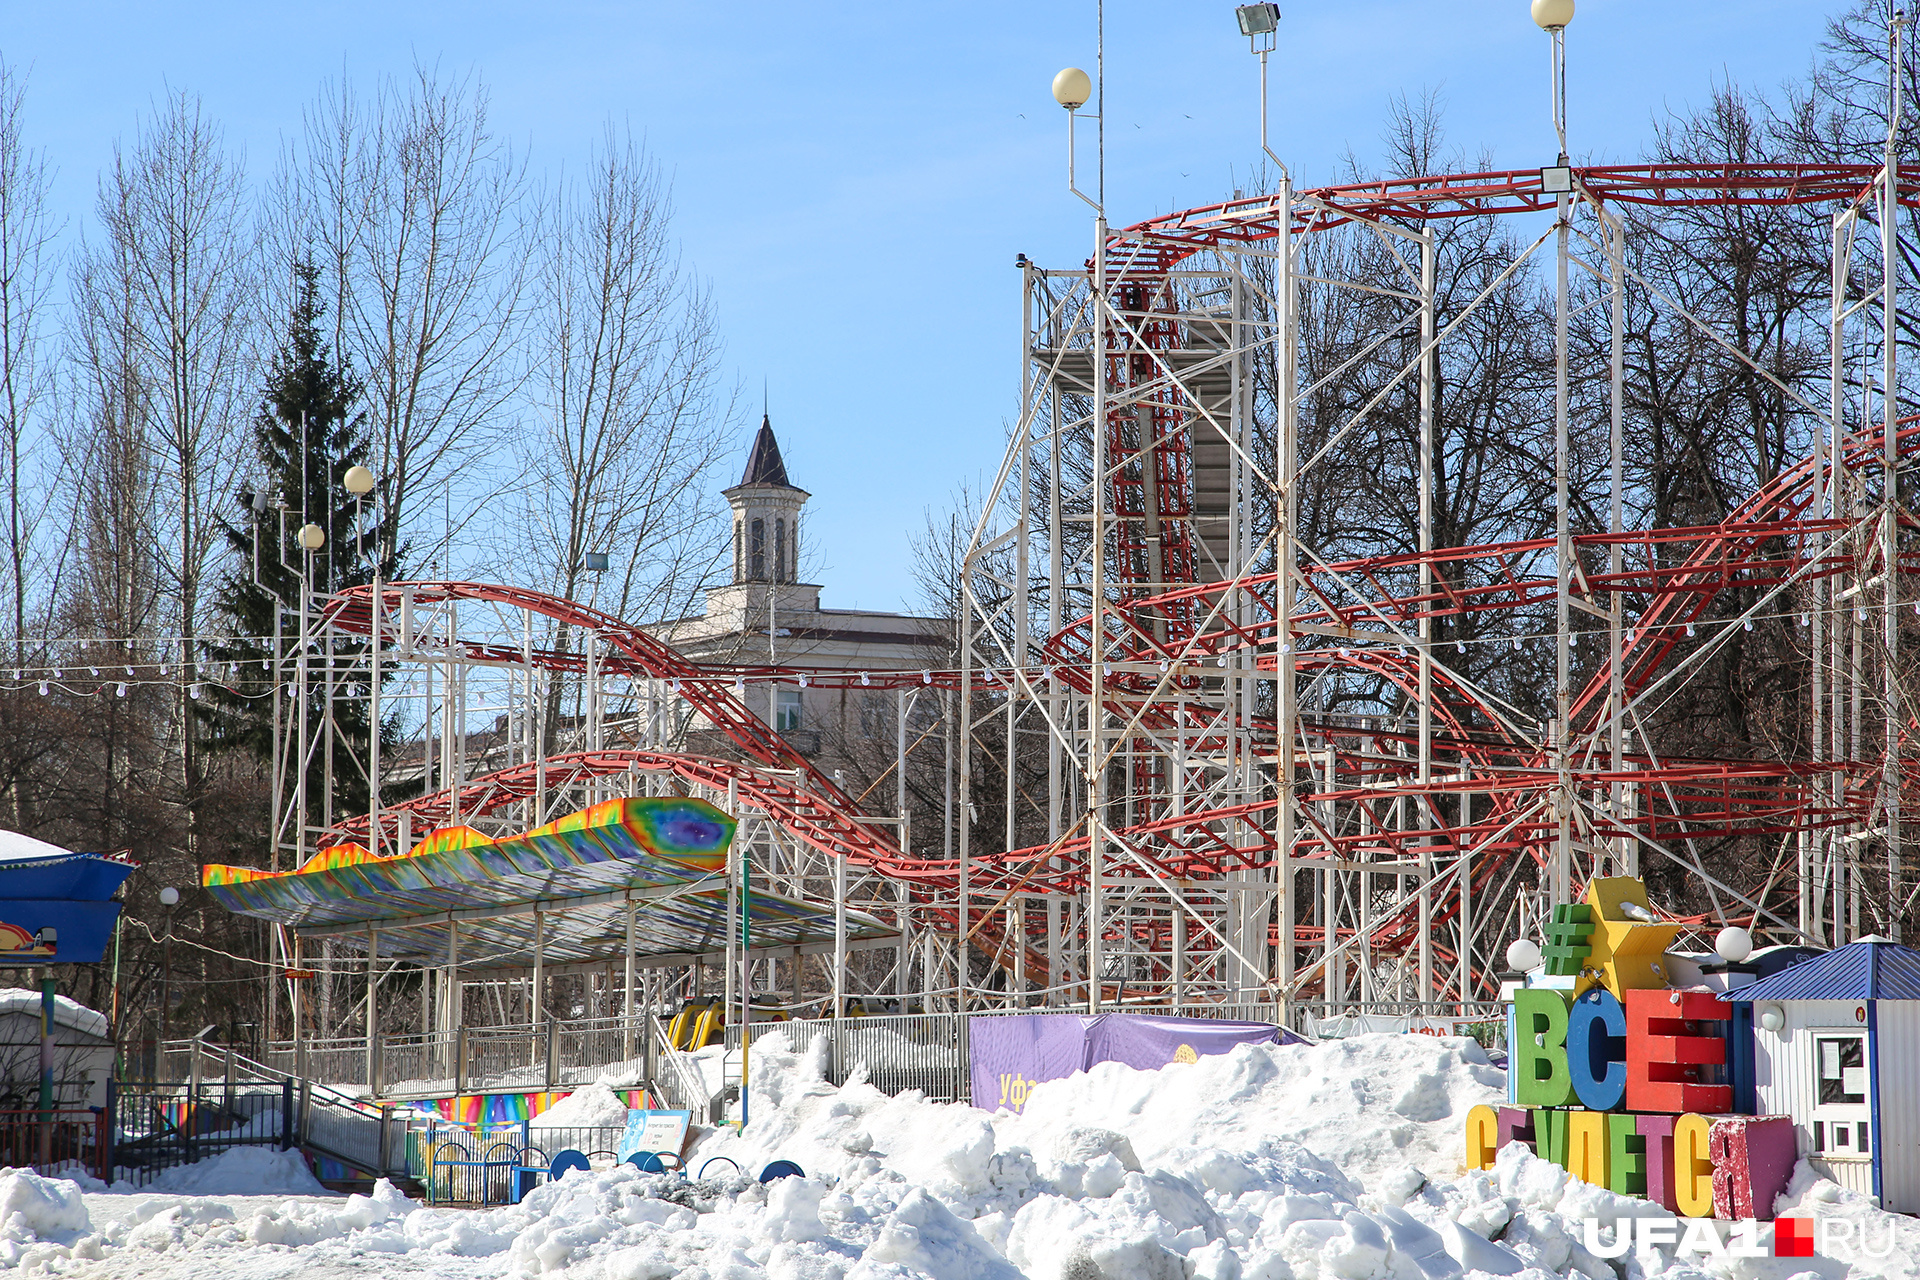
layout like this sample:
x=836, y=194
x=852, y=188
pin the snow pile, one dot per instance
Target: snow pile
x=594, y=1107
x=1326, y=1162
x=41, y=1220
x=1368, y=1103
x=240, y=1171
x=67, y=1013
x=1537, y=1212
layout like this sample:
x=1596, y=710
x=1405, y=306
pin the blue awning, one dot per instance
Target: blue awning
x=1857, y=971
x=56, y=906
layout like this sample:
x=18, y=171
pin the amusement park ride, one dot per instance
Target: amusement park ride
x=1142, y=614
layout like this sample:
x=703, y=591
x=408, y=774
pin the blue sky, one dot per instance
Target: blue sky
x=854, y=179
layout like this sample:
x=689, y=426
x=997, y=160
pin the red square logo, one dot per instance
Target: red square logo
x=1793, y=1237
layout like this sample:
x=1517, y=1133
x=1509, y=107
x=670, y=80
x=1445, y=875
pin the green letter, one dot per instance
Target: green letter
x=1539, y=1053
x=1626, y=1156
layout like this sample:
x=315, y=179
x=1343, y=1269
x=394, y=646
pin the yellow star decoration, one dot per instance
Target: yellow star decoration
x=1627, y=953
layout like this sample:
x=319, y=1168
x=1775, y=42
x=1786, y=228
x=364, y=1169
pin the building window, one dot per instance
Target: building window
x=1842, y=1073
x=739, y=551
x=1842, y=1105
x=786, y=710
x=793, y=565
x=759, y=555
x=780, y=551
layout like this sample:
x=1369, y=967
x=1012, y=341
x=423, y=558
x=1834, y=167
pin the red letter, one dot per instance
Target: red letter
x=1664, y=1056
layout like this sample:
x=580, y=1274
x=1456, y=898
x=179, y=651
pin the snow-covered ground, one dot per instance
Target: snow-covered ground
x=1337, y=1161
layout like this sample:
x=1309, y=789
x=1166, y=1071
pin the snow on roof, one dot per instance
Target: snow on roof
x=15, y=847
x=1864, y=970
x=68, y=1013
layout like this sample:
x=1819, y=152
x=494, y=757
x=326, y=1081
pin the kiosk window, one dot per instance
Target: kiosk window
x=1841, y=1069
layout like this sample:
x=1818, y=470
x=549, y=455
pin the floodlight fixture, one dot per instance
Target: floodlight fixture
x=1258, y=20
x=594, y=561
x=1260, y=24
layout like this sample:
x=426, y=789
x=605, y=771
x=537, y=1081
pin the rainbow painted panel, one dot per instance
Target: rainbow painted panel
x=509, y=1110
x=628, y=843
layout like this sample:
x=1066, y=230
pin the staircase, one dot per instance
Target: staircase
x=327, y=1124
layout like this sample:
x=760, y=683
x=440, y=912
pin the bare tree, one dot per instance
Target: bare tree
x=632, y=420
x=26, y=276
x=416, y=210
x=172, y=282
x=624, y=383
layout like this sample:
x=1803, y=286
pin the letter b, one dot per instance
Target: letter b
x=1539, y=1055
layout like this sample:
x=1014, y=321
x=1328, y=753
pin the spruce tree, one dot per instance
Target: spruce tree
x=305, y=436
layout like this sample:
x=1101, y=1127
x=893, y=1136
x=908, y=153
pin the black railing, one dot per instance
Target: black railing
x=162, y=1126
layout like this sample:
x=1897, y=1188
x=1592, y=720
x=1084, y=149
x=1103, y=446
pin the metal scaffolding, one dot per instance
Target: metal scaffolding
x=1149, y=636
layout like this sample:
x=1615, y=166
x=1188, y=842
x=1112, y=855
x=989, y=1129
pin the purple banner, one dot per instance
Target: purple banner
x=1009, y=1055
x=1145, y=1041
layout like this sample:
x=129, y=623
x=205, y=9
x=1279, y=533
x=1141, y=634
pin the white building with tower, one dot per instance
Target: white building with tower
x=765, y=615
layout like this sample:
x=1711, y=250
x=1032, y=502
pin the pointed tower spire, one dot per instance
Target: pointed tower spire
x=766, y=515
x=764, y=464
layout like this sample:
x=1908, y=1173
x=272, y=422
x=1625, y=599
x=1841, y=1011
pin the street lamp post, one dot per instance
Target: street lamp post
x=359, y=481
x=169, y=899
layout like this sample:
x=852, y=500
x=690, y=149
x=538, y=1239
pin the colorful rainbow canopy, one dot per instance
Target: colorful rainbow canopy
x=562, y=889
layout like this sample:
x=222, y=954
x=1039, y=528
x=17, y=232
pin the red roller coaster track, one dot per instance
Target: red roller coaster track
x=1157, y=644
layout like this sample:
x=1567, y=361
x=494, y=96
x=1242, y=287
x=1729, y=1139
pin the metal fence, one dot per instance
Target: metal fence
x=52, y=1141
x=469, y=1164
x=1485, y=1022
x=495, y=1059
x=318, y=1116
x=897, y=1052
x=155, y=1127
x=924, y=1051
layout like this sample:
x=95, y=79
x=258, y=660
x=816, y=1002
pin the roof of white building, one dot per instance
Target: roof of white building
x=68, y=1013
x=1871, y=969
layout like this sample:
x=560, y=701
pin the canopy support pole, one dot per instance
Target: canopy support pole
x=373, y=1025
x=626, y=994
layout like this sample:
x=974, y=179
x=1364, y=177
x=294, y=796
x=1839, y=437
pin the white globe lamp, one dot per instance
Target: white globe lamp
x=358, y=480
x=1523, y=954
x=1553, y=14
x=312, y=537
x=1072, y=88
x=1733, y=944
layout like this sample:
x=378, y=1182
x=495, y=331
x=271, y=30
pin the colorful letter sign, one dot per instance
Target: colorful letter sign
x=1538, y=1059
x=1598, y=1036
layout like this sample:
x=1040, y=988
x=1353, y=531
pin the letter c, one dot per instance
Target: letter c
x=1597, y=1049
x=1692, y=1169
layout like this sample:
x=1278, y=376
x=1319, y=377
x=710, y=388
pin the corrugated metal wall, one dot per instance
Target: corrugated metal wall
x=1785, y=1078
x=1897, y=1064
